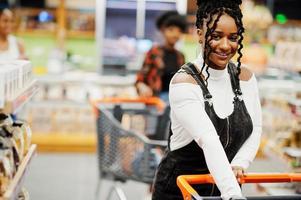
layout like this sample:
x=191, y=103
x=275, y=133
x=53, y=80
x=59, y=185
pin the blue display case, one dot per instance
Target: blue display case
x=126, y=30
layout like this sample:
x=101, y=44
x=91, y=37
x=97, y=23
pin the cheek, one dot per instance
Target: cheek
x=234, y=47
x=214, y=44
x=173, y=34
x=2, y=28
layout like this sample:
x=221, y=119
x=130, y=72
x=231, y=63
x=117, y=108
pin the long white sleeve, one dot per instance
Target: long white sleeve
x=247, y=152
x=188, y=109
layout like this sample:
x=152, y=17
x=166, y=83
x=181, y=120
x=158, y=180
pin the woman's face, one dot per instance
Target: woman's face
x=6, y=22
x=224, y=41
x=172, y=34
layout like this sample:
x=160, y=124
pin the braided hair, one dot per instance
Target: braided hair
x=208, y=9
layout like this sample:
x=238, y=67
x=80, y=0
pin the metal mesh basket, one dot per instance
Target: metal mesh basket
x=124, y=153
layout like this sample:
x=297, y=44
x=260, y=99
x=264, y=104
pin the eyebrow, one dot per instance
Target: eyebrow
x=220, y=32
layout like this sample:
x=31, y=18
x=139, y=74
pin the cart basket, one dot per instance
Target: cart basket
x=184, y=182
x=123, y=153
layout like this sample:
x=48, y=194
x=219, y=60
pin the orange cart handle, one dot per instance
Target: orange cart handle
x=155, y=101
x=188, y=192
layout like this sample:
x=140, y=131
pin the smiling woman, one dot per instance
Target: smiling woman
x=215, y=109
x=223, y=42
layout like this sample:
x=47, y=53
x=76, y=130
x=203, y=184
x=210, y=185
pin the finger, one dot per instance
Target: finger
x=235, y=172
x=239, y=173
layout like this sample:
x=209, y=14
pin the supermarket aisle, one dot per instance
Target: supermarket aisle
x=70, y=176
x=74, y=176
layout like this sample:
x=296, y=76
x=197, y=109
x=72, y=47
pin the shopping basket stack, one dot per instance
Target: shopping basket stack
x=124, y=127
x=184, y=182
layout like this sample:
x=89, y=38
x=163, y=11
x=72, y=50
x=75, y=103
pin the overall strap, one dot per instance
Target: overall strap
x=232, y=70
x=169, y=136
x=191, y=69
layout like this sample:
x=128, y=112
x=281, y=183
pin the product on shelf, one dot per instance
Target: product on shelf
x=255, y=57
x=15, y=75
x=286, y=32
x=65, y=117
x=14, y=142
x=257, y=19
x=16, y=88
x=287, y=55
x=7, y=170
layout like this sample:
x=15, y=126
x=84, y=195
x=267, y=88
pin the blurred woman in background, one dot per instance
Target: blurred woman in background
x=10, y=47
x=162, y=61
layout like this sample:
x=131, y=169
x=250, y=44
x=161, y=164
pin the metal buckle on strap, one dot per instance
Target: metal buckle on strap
x=238, y=95
x=238, y=98
x=208, y=98
x=209, y=102
x=238, y=92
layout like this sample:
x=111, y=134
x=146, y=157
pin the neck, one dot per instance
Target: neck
x=214, y=66
x=169, y=46
x=215, y=73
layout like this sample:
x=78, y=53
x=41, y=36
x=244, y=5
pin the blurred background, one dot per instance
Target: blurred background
x=81, y=50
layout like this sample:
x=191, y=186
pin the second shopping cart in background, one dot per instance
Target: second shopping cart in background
x=131, y=138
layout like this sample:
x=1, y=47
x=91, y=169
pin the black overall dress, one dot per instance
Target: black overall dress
x=233, y=132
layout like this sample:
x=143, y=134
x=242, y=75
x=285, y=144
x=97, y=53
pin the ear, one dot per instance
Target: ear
x=200, y=35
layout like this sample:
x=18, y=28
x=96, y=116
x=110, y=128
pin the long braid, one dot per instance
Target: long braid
x=207, y=46
x=208, y=35
x=238, y=21
x=241, y=37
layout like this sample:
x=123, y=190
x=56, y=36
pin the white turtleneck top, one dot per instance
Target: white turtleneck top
x=191, y=122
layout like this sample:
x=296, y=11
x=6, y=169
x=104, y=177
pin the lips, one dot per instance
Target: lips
x=222, y=56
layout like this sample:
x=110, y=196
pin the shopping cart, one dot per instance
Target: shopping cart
x=124, y=150
x=189, y=193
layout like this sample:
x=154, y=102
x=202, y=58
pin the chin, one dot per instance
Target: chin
x=218, y=65
x=172, y=43
x=221, y=65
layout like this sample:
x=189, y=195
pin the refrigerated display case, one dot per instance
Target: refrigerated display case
x=120, y=28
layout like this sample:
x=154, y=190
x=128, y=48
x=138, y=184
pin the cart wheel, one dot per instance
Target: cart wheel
x=23, y=195
x=119, y=192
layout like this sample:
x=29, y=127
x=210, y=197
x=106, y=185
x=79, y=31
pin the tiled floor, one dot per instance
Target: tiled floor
x=71, y=176
x=74, y=177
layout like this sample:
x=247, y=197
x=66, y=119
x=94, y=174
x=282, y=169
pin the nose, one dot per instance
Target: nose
x=224, y=45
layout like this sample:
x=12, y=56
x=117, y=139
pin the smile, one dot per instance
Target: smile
x=222, y=56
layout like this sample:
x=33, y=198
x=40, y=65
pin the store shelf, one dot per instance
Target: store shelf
x=36, y=33
x=93, y=78
x=81, y=34
x=13, y=105
x=277, y=155
x=17, y=182
x=279, y=85
x=60, y=142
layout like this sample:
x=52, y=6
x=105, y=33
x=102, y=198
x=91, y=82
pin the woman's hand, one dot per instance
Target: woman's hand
x=144, y=90
x=238, y=172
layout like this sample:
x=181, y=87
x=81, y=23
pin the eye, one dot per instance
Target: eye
x=233, y=38
x=215, y=37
